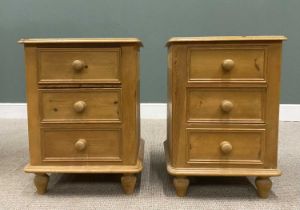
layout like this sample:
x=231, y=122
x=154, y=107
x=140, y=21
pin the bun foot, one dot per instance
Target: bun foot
x=128, y=182
x=181, y=185
x=263, y=185
x=41, y=183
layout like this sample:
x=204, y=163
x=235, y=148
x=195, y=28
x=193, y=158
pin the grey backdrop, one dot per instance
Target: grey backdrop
x=154, y=22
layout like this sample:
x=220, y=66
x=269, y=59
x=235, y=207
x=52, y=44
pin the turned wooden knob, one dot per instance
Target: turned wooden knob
x=227, y=64
x=79, y=106
x=226, y=106
x=226, y=147
x=78, y=65
x=80, y=145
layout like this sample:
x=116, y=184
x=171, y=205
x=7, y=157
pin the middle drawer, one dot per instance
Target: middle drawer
x=81, y=105
x=240, y=105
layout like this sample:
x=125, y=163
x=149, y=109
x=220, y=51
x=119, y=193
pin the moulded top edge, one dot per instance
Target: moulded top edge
x=79, y=40
x=225, y=38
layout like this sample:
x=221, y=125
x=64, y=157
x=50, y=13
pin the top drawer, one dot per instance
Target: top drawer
x=225, y=63
x=79, y=65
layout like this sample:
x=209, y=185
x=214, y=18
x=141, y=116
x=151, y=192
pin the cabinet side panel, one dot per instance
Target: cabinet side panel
x=129, y=69
x=33, y=104
x=179, y=78
x=138, y=115
x=169, y=107
x=272, y=105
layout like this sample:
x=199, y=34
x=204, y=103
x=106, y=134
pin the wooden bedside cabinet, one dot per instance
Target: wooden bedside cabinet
x=83, y=108
x=223, y=95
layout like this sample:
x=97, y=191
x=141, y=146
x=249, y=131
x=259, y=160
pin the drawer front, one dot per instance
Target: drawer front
x=225, y=146
x=226, y=64
x=81, y=105
x=81, y=144
x=86, y=65
x=226, y=105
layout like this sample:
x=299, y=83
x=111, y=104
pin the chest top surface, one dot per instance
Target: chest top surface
x=181, y=40
x=81, y=40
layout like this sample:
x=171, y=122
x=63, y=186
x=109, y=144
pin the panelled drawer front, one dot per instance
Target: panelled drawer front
x=225, y=146
x=240, y=105
x=226, y=63
x=81, y=144
x=84, y=65
x=81, y=105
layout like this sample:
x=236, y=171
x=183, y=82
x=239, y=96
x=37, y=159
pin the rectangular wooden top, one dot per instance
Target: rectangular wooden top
x=225, y=38
x=80, y=40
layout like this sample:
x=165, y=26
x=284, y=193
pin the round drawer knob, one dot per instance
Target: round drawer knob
x=226, y=106
x=226, y=147
x=79, y=106
x=78, y=65
x=228, y=64
x=80, y=145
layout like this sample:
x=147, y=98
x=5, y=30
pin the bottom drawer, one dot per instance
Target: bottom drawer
x=225, y=146
x=81, y=144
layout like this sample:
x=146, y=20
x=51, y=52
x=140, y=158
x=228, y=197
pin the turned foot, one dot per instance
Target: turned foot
x=181, y=185
x=128, y=182
x=41, y=183
x=263, y=185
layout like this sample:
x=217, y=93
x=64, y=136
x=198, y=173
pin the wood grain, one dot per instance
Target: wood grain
x=101, y=145
x=83, y=106
x=204, y=147
x=223, y=89
x=81, y=41
x=204, y=104
x=101, y=169
x=216, y=171
x=99, y=65
x=188, y=40
x=205, y=63
x=102, y=105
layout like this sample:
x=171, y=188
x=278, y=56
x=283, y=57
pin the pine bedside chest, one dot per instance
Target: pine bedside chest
x=223, y=95
x=83, y=108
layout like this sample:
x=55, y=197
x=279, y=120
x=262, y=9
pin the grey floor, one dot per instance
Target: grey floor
x=154, y=190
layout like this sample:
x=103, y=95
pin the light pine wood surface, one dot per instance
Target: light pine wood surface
x=223, y=103
x=83, y=108
x=226, y=63
x=88, y=65
x=225, y=38
x=80, y=105
x=81, y=40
